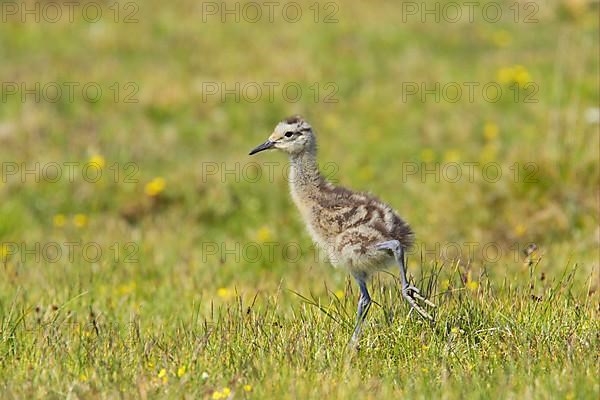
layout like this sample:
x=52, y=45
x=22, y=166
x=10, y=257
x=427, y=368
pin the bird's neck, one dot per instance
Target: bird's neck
x=304, y=177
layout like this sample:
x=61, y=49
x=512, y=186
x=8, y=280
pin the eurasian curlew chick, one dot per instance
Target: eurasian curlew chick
x=356, y=230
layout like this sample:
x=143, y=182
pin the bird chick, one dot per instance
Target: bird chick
x=356, y=231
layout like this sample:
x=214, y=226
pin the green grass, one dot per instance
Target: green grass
x=179, y=306
x=496, y=340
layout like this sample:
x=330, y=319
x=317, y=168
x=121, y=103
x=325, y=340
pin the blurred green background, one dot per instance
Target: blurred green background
x=176, y=177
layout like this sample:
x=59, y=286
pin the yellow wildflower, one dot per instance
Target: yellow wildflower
x=162, y=374
x=80, y=220
x=98, y=160
x=223, y=292
x=520, y=230
x=59, y=220
x=226, y=392
x=454, y=330
x=217, y=395
x=83, y=378
x=521, y=75
x=472, y=285
x=247, y=388
x=516, y=74
x=263, y=234
x=339, y=294
x=180, y=371
x=452, y=155
x=155, y=186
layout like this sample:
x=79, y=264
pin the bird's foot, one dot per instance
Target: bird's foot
x=412, y=294
x=409, y=292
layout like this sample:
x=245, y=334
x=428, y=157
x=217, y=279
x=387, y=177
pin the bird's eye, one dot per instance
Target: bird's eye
x=289, y=134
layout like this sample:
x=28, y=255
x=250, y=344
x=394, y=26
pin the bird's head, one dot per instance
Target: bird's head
x=293, y=135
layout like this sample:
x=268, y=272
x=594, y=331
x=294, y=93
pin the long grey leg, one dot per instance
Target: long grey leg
x=409, y=292
x=364, y=303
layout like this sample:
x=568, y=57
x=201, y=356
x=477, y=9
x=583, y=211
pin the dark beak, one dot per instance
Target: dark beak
x=265, y=146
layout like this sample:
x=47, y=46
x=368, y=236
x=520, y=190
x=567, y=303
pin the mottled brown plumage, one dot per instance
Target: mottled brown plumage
x=345, y=224
x=357, y=231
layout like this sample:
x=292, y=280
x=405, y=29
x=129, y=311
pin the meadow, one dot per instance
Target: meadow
x=143, y=254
